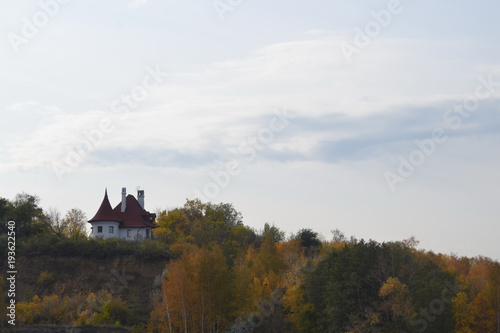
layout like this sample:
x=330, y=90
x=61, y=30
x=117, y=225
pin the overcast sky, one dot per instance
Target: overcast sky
x=379, y=119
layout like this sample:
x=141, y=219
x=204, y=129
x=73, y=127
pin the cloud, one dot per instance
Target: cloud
x=342, y=112
x=145, y=157
x=136, y=4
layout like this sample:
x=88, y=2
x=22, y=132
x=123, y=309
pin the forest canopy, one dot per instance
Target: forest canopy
x=223, y=276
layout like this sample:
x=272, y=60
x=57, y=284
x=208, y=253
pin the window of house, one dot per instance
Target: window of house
x=147, y=233
x=111, y=228
x=129, y=233
x=99, y=229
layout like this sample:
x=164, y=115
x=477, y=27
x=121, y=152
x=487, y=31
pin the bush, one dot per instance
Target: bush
x=93, y=309
x=45, y=280
x=93, y=248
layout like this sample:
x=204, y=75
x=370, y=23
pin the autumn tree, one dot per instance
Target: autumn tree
x=75, y=221
x=204, y=224
x=298, y=266
x=197, y=293
x=478, y=309
x=268, y=267
x=461, y=314
x=395, y=304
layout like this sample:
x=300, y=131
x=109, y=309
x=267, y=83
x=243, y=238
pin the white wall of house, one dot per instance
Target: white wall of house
x=135, y=233
x=107, y=229
x=125, y=233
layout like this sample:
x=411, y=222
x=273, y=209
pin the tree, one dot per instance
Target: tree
x=197, y=293
x=173, y=225
x=268, y=267
x=309, y=239
x=225, y=212
x=5, y=207
x=461, y=314
x=28, y=215
x=344, y=286
x=492, y=290
x=204, y=224
x=338, y=236
x=348, y=284
x=395, y=304
x=244, y=297
x=57, y=225
x=75, y=221
x=215, y=287
x=274, y=232
x=411, y=242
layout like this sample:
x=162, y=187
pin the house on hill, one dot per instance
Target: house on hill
x=128, y=220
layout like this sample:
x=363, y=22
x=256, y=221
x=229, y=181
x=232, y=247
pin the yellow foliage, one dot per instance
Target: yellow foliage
x=45, y=280
x=78, y=309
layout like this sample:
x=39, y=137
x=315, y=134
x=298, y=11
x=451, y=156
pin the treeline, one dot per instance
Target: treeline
x=223, y=276
x=40, y=232
x=230, y=278
x=32, y=221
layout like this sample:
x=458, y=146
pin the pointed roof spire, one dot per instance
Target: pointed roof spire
x=105, y=212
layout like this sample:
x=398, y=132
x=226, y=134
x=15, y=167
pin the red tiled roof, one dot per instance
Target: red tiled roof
x=134, y=215
x=105, y=212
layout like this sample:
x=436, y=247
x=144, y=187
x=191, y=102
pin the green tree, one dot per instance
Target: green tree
x=309, y=240
x=5, y=207
x=350, y=288
x=273, y=231
x=28, y=215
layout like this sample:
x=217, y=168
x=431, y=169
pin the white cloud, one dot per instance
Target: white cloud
x=217, y=109
x=20, y=107
x=135, y=4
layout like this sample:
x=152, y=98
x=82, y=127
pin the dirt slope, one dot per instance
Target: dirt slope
x=127, y=276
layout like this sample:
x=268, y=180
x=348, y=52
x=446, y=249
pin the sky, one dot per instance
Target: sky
x=377, y=118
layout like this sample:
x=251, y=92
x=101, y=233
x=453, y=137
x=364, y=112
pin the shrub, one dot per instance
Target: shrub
x=93, y=248
x=93, y=309
x=45, y=280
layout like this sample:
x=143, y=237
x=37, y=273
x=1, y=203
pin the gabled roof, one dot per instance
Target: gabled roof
x=134, y=215
x=105, y=212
